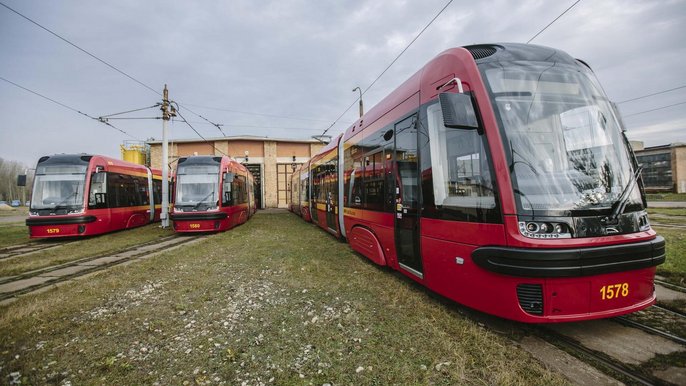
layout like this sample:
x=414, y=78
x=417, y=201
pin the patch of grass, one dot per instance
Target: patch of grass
x=666, y=197
x=668, y=211
x=19, y=211
x=81, y=248
x=275, y=301
x=674, y=267
x=13, y=234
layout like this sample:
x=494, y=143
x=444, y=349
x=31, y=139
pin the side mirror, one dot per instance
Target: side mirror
x=458, y=111
x=21, y=180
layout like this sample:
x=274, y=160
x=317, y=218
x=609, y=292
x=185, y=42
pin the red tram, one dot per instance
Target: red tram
x=499, y=176
x=213, y=194
x=84, y=195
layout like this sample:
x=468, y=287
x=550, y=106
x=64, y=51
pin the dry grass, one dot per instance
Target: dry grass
x=275, y=301
x=80, y=248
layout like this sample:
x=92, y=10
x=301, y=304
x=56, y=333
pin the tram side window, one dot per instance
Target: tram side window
x=157, y=191
x=122, y=190
x=356, y=184
x=97, y=198
x=374, y=181
x=238, y=192
x=304, y=189
x=142, y=188
x=226, y=188
x=460, y=167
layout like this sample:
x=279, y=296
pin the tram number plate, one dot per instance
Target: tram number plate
x=194, y=226
x=53, y=231
x=613, y=291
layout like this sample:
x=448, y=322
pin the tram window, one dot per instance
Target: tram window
x=460, y=167
x=157, y=191
x=356, y=190
x=226, y=188
x=97, y=197
x=374, y=181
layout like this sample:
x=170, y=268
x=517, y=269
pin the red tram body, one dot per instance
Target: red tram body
x=500, y=177
x=84, y=195
x=212, y=194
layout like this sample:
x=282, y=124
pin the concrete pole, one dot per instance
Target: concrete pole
x=164, y=215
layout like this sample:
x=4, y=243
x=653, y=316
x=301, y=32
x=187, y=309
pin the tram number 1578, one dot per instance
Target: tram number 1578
x=613, y=291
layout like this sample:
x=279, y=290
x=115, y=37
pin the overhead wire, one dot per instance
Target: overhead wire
x=68, y=107
x=554, y=20
x=257, y=114
x=649, y=95
x=100, y=60
x=178, y=112
x=655, y=109
x=389, y=66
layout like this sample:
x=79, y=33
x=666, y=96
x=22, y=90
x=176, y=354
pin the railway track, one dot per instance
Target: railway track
x=663, y=225
x=29, y=282
x=603, y=362
x=26, y=249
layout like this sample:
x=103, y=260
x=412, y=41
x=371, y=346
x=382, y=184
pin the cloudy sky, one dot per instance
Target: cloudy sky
x=287, y=68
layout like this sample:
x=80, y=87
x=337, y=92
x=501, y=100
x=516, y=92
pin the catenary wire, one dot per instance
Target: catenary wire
x=389, y=66
x=649, y=95
x=554, y=20
x=257, y=114
x=80, y=49
x=68, y=107
x=655, y=109
x=99, y=59
x=196, y=132
x=131, y=111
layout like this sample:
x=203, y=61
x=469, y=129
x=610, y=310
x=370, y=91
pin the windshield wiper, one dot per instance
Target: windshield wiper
x=620, y=205
x=69, y=197
x=202, y=201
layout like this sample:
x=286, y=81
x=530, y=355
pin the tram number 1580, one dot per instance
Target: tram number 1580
x=613, y=291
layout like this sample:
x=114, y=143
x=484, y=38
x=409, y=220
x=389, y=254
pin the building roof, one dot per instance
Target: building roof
x=660, y=147
x=256, y=138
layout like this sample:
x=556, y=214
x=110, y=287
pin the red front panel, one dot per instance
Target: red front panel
x=185, y=226
x=449, y=270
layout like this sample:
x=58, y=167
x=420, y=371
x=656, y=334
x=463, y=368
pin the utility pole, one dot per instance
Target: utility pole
x=167, y=114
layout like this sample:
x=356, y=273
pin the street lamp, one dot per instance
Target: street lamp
x=361, y=108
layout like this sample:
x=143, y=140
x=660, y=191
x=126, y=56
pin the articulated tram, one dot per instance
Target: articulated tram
x=212, y=194
x=84, y=195
x=499, y=176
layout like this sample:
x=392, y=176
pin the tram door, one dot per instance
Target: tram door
x=407, y=197
x=331, y=183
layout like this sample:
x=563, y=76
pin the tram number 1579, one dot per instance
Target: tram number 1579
x=613, y=291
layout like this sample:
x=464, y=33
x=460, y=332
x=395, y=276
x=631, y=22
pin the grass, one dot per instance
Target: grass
x=668, y=212
x=666, y=197
x=19, y=211
x=80, y=248
x=674, y=267
x=13, y=234
x=275, y=301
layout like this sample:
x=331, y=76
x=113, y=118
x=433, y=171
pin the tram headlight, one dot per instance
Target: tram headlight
x=544, y=230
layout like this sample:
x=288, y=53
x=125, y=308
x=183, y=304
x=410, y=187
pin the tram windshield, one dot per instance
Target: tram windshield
x=197, y=187
x=566, y=149
x=59, y=187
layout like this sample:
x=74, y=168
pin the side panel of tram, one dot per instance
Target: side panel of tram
x=213, y=194
x=83, y=195
x=435, y=200
x=324, y=198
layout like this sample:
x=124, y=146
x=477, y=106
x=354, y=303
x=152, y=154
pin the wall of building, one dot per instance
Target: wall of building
x=679, y=168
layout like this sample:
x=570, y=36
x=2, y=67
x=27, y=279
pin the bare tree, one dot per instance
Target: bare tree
x=9, y=170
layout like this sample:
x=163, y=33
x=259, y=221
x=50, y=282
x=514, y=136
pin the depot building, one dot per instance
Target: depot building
x=270, y=160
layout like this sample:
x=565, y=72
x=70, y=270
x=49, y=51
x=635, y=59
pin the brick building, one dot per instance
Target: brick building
x=664, y=167
x=270, y=160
